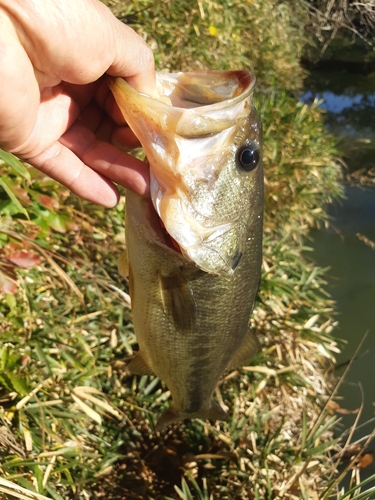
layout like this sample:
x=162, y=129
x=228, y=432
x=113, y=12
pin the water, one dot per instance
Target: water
x=349, y=101
x=351, y=281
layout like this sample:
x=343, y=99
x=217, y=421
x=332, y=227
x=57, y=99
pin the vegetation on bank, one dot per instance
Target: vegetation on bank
x=74, y=424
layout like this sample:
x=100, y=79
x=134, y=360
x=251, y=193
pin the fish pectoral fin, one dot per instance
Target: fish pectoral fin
x=171, y=415
x=247, y=350
x=178, y=301
x=138, y=366
x=123, y=264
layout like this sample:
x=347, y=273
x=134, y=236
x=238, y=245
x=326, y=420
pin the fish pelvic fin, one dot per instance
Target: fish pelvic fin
x=138, y=366
x=247, y=350
x=171, y=415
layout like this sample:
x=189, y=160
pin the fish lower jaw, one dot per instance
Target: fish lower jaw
x=213, y=261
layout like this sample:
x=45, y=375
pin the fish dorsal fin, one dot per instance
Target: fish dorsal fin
x=138, y=366
x=247, y=350
x=178, y=301
x=123, y=264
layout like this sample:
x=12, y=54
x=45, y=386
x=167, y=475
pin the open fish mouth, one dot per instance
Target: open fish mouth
x=204, y=88
x=191, y=137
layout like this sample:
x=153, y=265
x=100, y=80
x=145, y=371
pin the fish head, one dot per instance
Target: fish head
x=202, y=140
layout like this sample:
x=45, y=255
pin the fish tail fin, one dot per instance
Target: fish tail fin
x=171, y=415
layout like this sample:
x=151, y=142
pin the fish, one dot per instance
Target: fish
x=194, y=247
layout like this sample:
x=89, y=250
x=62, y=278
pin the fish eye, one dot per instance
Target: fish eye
x=248, y=156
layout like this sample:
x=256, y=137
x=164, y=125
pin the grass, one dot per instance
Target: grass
x=74, y=424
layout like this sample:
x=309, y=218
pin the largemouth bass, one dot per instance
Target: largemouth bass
x=194, y=248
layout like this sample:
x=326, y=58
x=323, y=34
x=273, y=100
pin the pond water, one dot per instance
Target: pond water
x=349, y=102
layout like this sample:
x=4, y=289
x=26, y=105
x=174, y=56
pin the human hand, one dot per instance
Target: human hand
x=56, y=110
